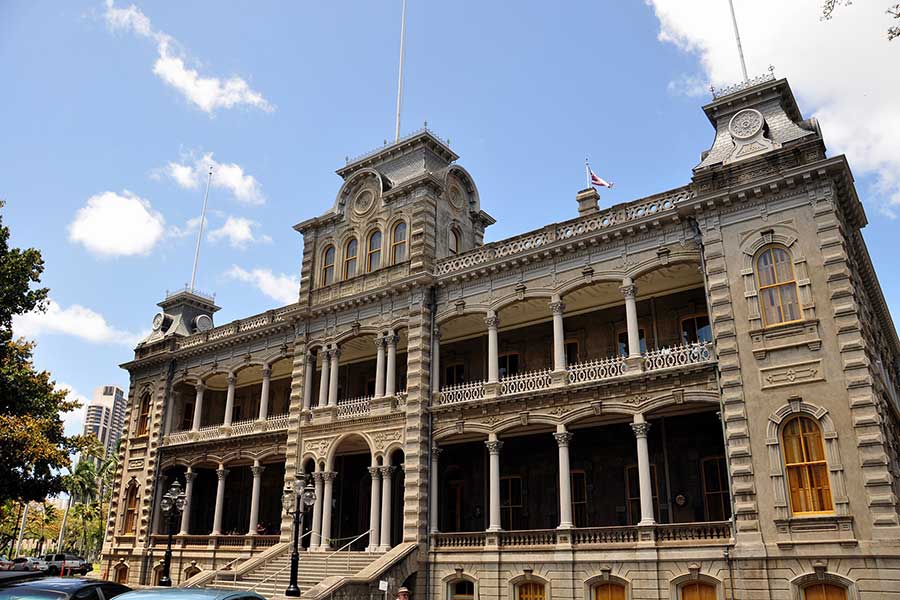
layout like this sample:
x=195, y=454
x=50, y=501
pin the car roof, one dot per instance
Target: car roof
x=57, y=584
x=185, y=594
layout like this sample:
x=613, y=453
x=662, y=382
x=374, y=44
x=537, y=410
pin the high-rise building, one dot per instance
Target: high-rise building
x=104, y=417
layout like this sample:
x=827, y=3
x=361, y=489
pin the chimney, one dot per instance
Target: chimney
x=587, y=201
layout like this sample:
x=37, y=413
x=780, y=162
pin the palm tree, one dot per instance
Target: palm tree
x=81, y=484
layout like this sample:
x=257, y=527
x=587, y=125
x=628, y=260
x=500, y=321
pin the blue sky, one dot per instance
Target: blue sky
x=110, y=113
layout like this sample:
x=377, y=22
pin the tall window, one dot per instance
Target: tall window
x=454, y=374
x=807, y=470
x=454, y=241
x=511, y=501
x=698, y=591
x=130, y=510
x=509, y=364
x=328, y=266
x=715, y=489
x=143, y=424
x=623, y=342
x=824, y=591
x=373, y=255
x=398, y=243
x=696, y=329
x=579, y=497
x=462, y=590
x=571, y=352
x=777, y=286
x=531, y=591
x=609, y=591
x=351, y=251
x=187, y=416
x=633, y=491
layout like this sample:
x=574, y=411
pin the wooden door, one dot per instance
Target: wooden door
x=609, y=591
x=824, y=591
x=698, y=591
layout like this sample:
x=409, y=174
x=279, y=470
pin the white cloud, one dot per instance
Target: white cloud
x=74, y=320
x=207, y=93
x=838, y=69
x=239, y=232
x=73, y=421
x=282, y=287
x=191, y=172
x=112, y=224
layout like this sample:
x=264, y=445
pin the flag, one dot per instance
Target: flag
x=599, y=181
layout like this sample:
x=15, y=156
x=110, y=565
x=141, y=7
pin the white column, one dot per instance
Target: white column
x=565, y=478
x=326, y=508
x=390, y=380
x=333, y=377
x=493, y=322
x=157, y=526
x=229, y=400
x=641, y=428
x=559, y=335
x=629, y=290
x=198, y=407
x=264, y=394
x=324, y=377
x=494, y=445
x=188, y=496
x=435, y=483
x=374, y=510
x=436, y=361
x=221, y=473
x=174, y=401
x=257, y=470
x=385, y=508
x=315, y=541
x=308, y=371
x=379, y=367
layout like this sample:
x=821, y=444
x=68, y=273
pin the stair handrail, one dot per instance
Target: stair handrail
x=278, y=572
x=225, y=568
x=347, y=545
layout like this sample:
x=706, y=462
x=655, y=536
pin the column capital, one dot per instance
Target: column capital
x=266, y=370
x=436, y=451
x=386, y=471
x=200, y=386
x=640, y=429
x=557, y=307
x=492, y=320
x=392, y=339
x=494, y=446
x=436, y=332
x=329, y=475
x=189, y=476
x=379, y=341
x=563, y=438
x=334, y=353
x=629, y=290
x=257, y=470
x=232, y=378
x=317, y=476
x=221, y=473
x=374, y=472
x=310, y=357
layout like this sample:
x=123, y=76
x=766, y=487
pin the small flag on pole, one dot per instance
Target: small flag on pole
x=594, y=180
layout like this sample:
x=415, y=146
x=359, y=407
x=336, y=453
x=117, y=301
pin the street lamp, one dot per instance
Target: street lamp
x=172, y=504
x=295, y=501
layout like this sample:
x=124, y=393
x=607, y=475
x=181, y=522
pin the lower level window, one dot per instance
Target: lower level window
x=824, y=591
x=531, y=591
x=609, y=591
x=698, y=591
x=462, y=590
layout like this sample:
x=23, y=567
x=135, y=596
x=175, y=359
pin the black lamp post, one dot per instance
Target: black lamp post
x=172, y=504
x=296, y=500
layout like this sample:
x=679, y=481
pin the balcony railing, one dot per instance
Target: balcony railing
x=530, y=381
x=597, y=370
x=238, y=428
x=461, y=392
x=217, y=541
x=356, y=407
x=677, y=356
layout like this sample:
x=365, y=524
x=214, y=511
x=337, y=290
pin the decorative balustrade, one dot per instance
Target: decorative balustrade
x=219, y=541
x=238, y=428
x=276, y=422
x=596, y=370
x=678, y=356
x=210, y=432
x=235, y=327
x=595, y=536
x=178, y=437
x=716, y=532
x=357, y=407
x=530, y=381
x=468, y=539
x=243, y=427
x=402, y=398
x=461, y=392
x=531, y=537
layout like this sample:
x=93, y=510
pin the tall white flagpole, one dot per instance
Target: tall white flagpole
x=200, y=233
x=737, y=38
x=587, y=173
x=400, y=76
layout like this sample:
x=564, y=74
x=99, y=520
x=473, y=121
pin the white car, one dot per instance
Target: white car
x=5, y=563
x=28, y=563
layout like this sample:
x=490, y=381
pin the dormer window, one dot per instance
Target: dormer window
x=328, y=266
x=454, y=241
x=351, y=250
x=398, y=243
x=373, y=257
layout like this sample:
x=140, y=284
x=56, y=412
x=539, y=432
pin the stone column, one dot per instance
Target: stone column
x=390, y=380
x=385, y=508
x=189, y=476
x=173, y=401
x=494, y=445
x=229, y=400
x=157, y=525
x=559, y=334
x=641, y=427
x=315, y=541
x=221, y=474
x=333, y=377
x=563, y=438
x=435, y=483
x=308, y=371
x=436, y=361
x=326, y=508
x=493, y=322
x=264, y=394
x=629, y=290
x=198, y=407
x=374, y=510
x=257, y=470
x=379, y=367
x=324, y=377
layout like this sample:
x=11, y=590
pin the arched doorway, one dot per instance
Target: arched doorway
x=351, y=493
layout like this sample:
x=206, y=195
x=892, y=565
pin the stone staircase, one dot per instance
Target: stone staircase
x=270, y=578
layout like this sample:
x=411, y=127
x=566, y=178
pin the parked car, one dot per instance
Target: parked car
x=66, y=564
x=5, y=563
x=164, y=593
x=60, y=588
x=28, y=563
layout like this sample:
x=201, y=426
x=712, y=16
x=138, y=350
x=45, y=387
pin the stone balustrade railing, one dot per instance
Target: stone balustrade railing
x=233, y=328
x=590, y=371
x=530, y=381
x=243, y=427
x=694, y=532
x=356, y=407
x=531, y=537
x=678, y=356
x=216, y=541
x=467, y=539
x=238, y=428
x=461, y=392
x=602, y=536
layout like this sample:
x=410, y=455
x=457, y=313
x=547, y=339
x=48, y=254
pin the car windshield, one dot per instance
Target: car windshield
x=25, y=594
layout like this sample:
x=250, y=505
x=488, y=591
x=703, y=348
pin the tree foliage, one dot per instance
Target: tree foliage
x=893, y=31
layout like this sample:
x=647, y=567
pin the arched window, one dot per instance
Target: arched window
x=462, y=590
x=131, y=502
x=143, y=424
x=531, y=590
x=328, y=266
x=698, y=591
x=824, y=591
x=777, y=286
x=398, y=243
x=351, y=251
x=609, y=591
x=807, y=470
x=373, y=255
x=120, y=574
x=454, y=241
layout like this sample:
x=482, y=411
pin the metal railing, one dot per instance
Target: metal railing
x=281, y=570
x=347, y=547
x=678, y=356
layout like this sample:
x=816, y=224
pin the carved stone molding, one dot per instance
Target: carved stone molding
x=791, y=374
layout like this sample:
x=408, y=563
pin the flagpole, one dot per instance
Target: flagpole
x=200, y=232
x=400, y=75
x=737, y=38
x=587, y=173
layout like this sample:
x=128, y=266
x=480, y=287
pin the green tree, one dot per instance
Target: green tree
x=33, y=446
x=893, y=11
